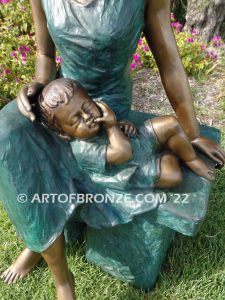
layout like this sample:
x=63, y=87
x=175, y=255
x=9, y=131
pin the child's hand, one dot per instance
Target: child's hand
x=128, y=128
x=108, y=116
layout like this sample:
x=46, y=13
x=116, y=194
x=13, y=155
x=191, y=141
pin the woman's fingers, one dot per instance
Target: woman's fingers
x=221, y=152
x=24, y=104
x=216, y=158
x=219, y=156
x=23, y=98
x=31, y=91
x=28, y=114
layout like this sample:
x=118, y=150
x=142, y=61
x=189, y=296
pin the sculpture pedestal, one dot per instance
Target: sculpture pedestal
x=135, y=252
x=132, y=252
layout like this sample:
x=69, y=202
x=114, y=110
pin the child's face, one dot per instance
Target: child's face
x=77, y=117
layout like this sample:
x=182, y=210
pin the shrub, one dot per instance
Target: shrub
x=17, y=48
x=197, y=57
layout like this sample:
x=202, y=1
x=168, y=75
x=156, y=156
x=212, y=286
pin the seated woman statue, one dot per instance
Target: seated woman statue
x=96, y=40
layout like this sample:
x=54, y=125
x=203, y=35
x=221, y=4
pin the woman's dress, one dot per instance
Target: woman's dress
x=96, y=43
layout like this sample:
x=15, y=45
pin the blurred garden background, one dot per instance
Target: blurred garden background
x=195, y=267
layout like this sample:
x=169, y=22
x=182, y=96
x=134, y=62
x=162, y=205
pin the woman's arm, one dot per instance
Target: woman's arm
x=45, y=70
x=45, y=67
x=119, y=148
x=160, y=37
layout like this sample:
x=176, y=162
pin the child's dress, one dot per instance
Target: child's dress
x=127, y=189
x=141, y=172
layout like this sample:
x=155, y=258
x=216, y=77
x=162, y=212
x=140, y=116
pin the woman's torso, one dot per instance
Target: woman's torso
x=96, y=43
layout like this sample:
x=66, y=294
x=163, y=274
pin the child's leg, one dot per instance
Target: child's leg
x=171, y=136
x=56, y=260
x=170, y=175
x=23, y=264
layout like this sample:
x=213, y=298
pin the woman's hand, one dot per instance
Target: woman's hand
x=108, y=116
x=211, y=149
x=128, y=128
x=28, y=96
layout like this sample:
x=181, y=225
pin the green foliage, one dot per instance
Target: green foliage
x=179, y=8
x=17, y=48
x=195, y=60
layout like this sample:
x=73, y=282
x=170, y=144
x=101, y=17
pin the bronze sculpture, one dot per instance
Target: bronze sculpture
x=67, y=108
x=84, y=61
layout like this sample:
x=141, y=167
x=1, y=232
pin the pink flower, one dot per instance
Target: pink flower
x=203, y=47
x=140, y=42
x=146, y=48
x=190, y=40
x=14, y=53
x=23, y=8
x=58, y=60
x=216, y=38
x=195, y=32
x=23, y=54
x=17, y=79
x=136, y=57
x=28, y=49
x=7, y=71
x=213, y=55
x=172, y=16
x=133, y=66
x=177, y=26
x=4, y=1
x=24, y=48
x=217, y=41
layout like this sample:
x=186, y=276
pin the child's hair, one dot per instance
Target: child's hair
x=54, y=94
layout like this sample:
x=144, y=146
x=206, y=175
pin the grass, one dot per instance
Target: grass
x=194, y=268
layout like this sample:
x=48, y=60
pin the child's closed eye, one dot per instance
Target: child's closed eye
x=75, y=121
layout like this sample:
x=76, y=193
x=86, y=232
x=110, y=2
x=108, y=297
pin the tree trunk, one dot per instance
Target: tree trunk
x=207, y=16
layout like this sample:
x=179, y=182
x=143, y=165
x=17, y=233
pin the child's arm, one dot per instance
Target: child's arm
x=119, y=149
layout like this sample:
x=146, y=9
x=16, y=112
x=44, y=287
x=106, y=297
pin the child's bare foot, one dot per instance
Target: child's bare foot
x=21, y=267
x=198, y=166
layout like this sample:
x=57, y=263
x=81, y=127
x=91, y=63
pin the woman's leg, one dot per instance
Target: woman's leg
x=56, y=260
x=171, y=136
x=33, y=168
x=21, y=267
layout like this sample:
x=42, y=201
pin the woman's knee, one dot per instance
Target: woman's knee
x=12, y=121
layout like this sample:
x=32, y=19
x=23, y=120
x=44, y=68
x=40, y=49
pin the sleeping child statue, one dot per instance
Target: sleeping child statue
x=116, y=153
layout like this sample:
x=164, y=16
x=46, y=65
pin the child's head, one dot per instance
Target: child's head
x=66, y=107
